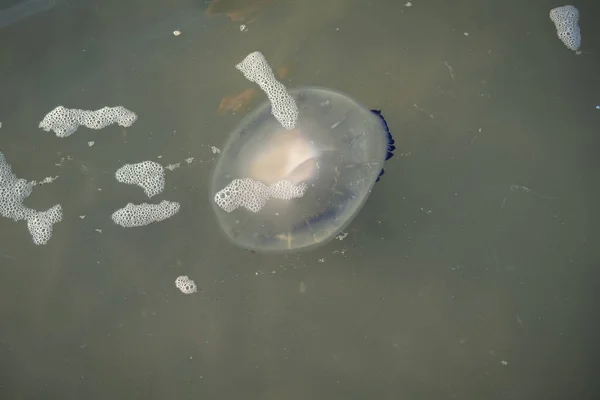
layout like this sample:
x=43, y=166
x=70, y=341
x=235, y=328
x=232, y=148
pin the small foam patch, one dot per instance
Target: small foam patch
x=148, y=175
x=64, y=121
x=13, y=191
x=253, y=195
x=283, y=106
x=566, y=20
x=186, y=285
x=135, y=215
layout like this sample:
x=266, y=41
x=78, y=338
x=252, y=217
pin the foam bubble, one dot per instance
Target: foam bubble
x=64, y=121
x=134, y=215
x=283, y=106
x=566, y=20
x=13, y=191
x=186, y=285
x=41, y=224
x=253, y=195
x=148, y=175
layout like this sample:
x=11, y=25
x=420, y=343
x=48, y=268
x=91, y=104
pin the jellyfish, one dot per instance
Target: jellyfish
x=292, y=183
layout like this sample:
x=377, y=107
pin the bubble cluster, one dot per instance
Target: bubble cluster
x=134, y=215
x=186, y=285
x=566, y=20
x=41, y=224
x=253, y=195
x=13, y=191
x=148, y=175
x=283, y=106
x=64, y=121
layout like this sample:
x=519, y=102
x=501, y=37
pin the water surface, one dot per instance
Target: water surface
x=469, y=274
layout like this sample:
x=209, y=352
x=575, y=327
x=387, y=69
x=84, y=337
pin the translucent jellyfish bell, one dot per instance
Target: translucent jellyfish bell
x=275, y=189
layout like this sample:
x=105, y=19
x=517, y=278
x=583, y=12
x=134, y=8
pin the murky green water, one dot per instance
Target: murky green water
x=469, y=274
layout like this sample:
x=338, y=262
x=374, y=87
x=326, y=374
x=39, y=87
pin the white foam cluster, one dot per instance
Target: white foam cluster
x=64, y=121
x=148, y=175
x=134, y=215
x=13, y=191
x=566, y=20
x=253, y=195
x=41, y=224
x=186, y=285
x=283, y=106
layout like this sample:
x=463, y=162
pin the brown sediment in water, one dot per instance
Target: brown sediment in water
x=240, y=102
x=237, y=10
x=237, y=102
